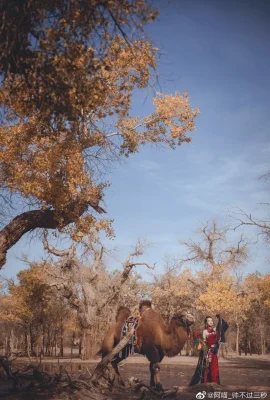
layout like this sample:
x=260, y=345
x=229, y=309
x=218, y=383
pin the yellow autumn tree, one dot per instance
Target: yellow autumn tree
x=172, y=291
x=223, y=297
x=264, y=289
x=258, y=325
x=214, y=284
x=68, y=76
x=37, y=316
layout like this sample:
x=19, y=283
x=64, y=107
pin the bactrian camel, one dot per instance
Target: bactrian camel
x=154, y=338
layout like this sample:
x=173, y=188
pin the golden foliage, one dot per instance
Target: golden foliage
x=173, y=291
x=33, y=302
x=259, y=286
x=222, y=297
x=66, y=103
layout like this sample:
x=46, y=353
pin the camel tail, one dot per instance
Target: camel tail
x=122, y=314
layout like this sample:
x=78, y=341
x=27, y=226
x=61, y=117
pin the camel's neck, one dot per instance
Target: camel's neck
x=174, y=340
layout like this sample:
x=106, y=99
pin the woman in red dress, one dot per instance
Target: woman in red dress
x=207, y=367
x=211, y=338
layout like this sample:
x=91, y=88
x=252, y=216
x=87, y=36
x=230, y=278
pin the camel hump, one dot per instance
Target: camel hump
x=122, y=314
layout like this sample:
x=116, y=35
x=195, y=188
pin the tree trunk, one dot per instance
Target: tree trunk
x=222, y=350
x=7, y=345
x=47, y=219
x=55, y=344
x=246, y=339
x=61, y=352
x=262, y=334
x=28, y=346
x=31, y=336
x=188, y=348
x=25, y=342
x=249, y=347
x=72, y=344
x=80, y=345
x=43, y=341
x=106, y=360
x=12, y=341
x=48, y=342
x=237, y=338
x=87, y=344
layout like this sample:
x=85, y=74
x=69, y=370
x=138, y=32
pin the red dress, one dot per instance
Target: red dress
x=211, y=374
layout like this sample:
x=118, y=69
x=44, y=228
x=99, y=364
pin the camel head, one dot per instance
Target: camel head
x=183, y=318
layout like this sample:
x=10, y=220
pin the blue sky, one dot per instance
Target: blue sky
x=217, y=50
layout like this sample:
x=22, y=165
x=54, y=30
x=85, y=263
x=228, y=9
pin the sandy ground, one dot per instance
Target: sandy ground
x=237, y=372
x=245, y=373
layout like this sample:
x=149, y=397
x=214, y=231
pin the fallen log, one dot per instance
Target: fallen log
x=98, y=372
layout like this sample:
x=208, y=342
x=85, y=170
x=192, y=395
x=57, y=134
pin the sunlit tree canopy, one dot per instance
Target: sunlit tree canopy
x=69, y=71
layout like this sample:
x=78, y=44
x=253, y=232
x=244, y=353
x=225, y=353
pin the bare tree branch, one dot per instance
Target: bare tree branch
x=265, y=176
x=245, y=219
x=128, y=265
x=213, y=251
x=59, y=253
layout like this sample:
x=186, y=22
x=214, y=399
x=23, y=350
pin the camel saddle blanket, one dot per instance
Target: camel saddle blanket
x=131, y=322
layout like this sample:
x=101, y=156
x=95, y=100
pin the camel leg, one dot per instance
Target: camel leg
x=115, y=367
x=156, y=369
x=152, y=375
x=154, y=358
